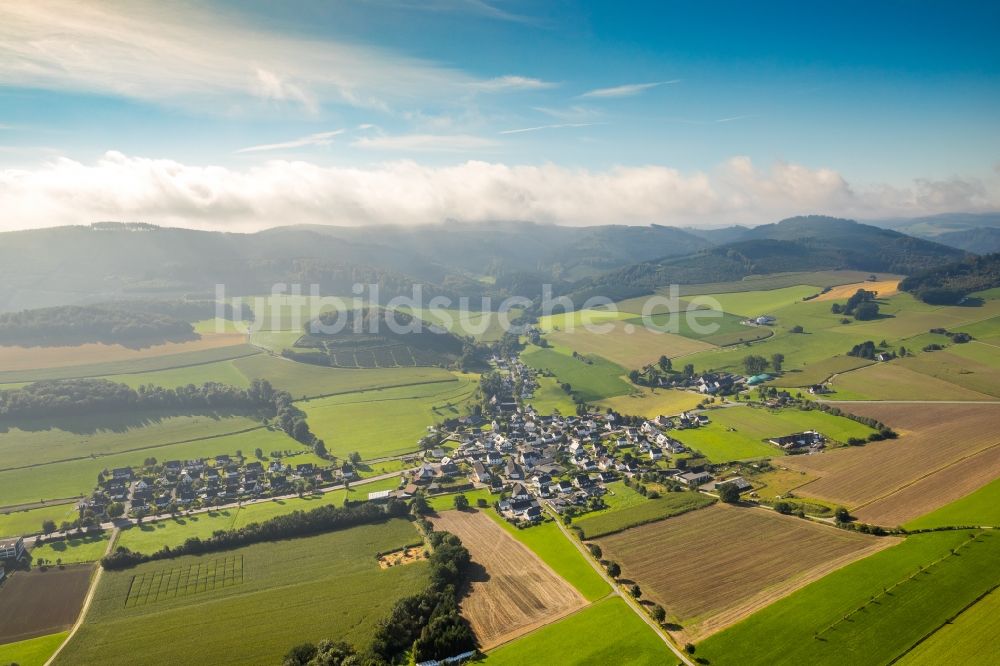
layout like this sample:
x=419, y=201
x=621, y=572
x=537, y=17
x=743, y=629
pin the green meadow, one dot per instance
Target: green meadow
x=968, y=639
x=868, y=612
x=32, y=652
x=388, y=421
x=981, y=507
x=88, y=548
x=630, y=512
x=29, y=521
x=290, y=592
x=755, y=303
x=607, y=632
x=590, y=377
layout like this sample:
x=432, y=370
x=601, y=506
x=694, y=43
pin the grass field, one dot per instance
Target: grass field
x=627, y=344
x=819, y=372
x=737, y=433
x=89, y=548
x=517, y=592
x=972, y=366
x=549, y=397
x=304, y=380
x=981, y=507
x=483, y=326
x=761, y=302
x=32, y=652
x=869, y=612
x=327, y=586
x=18, y=523
x=584, y=637
x=224, y=372
x=75, y=477
x=713, y=567
x=631, y=512
x=592, y=378
x=358, y=421
x=151, y=536
x=653, y=402
x=143, y=364
x=965, y=640
x=945, y=451
x=713, y=327
x=899, y=380
x=780, y=281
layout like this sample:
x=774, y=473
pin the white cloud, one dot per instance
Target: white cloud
x=627, y=90
x=425, y=142
x=510, y=82
x=182, y=55
x=318, y=139
x=166, y=192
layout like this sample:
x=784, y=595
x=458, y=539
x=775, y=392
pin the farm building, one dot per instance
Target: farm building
x=809, y=438
x=693, y=479
x=758, y=379
x=12, y=549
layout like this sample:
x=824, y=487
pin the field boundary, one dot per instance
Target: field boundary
x=947, y=621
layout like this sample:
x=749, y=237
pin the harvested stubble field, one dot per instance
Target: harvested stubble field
x=884, y=289
x=712, y=568
x=517, y=592
x=944, y=452
x=36, y=603
x=28, y=358
x=630, y=345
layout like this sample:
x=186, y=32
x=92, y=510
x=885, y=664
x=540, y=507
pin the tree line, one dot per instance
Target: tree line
x=77, y=325
x=296, y=524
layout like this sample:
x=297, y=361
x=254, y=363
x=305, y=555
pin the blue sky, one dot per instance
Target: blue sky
x=678, y=113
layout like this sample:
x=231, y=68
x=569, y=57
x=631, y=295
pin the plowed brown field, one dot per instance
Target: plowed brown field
x=36, y=603
x=516, y=592
x=944, y=452
x=713, y=567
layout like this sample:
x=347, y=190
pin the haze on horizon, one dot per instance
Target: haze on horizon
x=247, y=115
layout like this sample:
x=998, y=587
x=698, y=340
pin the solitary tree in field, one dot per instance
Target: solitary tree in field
x=48, y=526
x=461, y=502
x=754, y=365
x=776, y=361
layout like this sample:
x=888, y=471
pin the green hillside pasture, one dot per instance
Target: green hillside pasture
x=592, y=378
x=34, y=443
x=88, y=548
x=32, y=652
x=607, y=632
x=979, y=508
x=76, y=477
x=653, y=402
x=304, y=380
x=285, y=312
x=755, y=303
x=580, y=318
x=987, y=331
x=146, y=364
x=550, y=397
x=308, y=589
x=385, y=422
x=483, y=326
x=969, y=639
x=628, y=344
x=151, y=536
x=959, y=365
x=223, y=372
x=870, y=611
x=738, y=433
x=29, y=521
x=819, y=372
x=781, y=281
x=895, y=381
x=725, y=328
x=275, y=341
x=631, y=512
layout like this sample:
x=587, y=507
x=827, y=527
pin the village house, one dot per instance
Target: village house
x=809, y=438
x=694, y=479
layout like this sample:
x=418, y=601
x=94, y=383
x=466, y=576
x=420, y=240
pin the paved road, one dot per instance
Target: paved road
x=128, y=522
x=632, y=603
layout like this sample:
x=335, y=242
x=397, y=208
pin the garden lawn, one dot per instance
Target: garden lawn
x=979, y=508
x=289, y=592
x=868, y=612
x=88, y=548
x=32, y=652
x=386, y=422
x=607, y=632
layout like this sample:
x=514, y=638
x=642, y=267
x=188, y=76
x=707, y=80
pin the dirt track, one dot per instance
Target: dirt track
x=515, y=592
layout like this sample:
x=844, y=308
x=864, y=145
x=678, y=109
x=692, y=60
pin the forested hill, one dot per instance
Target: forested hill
x=953, y=282
x=796, y=244
x=74, y=325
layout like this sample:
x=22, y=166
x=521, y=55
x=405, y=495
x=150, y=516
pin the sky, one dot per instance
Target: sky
x=248, y=114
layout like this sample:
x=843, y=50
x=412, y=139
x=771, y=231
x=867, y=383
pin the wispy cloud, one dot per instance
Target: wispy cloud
x=573, y=114
x=627, y=90
x=512, y=83
x=426, y=142
x=203, y=60
x=732, y=119
x=545, y=127
x=479, y=8
x=318, y=139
